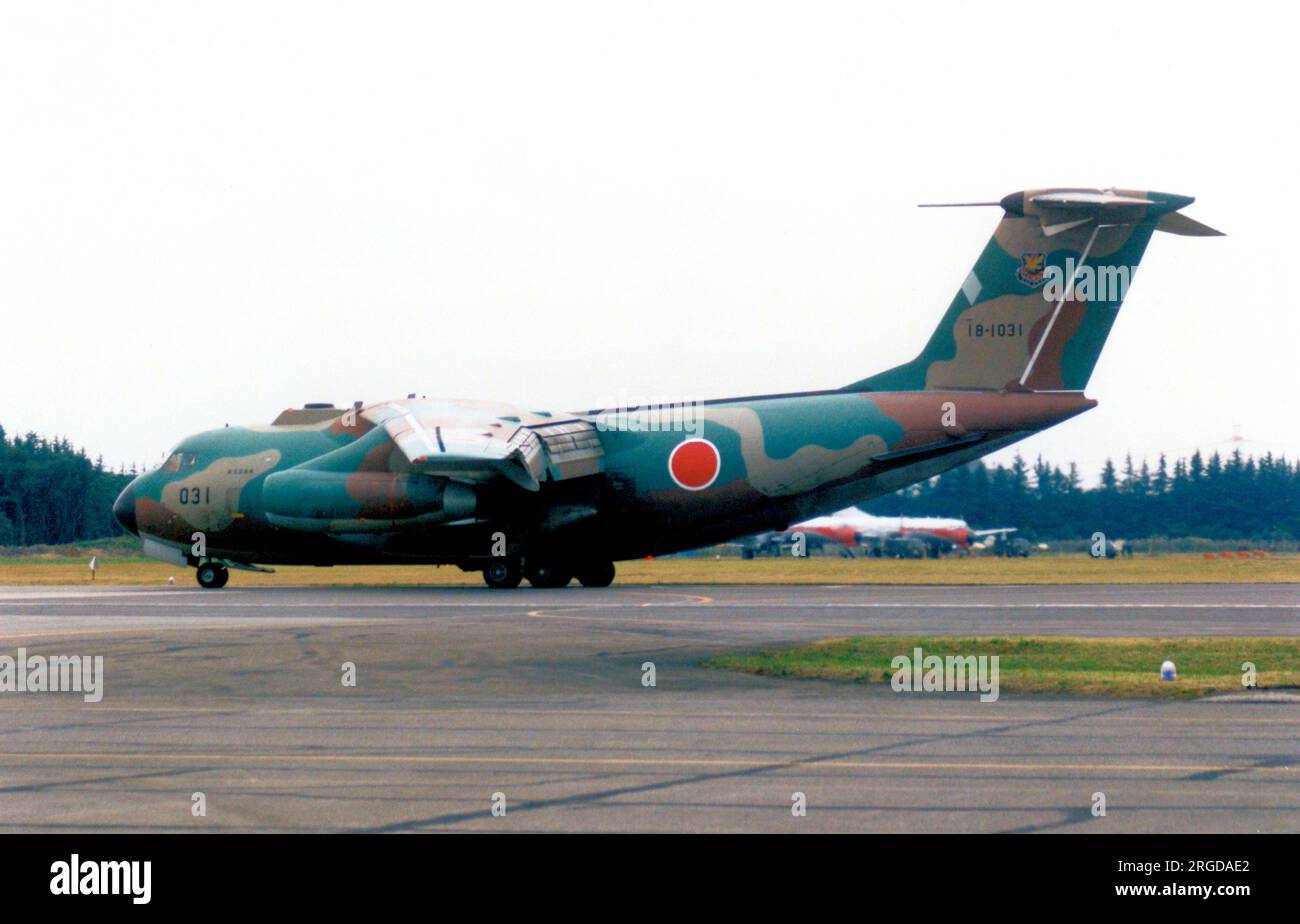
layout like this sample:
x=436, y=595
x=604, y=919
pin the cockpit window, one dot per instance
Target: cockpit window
x=180, y=462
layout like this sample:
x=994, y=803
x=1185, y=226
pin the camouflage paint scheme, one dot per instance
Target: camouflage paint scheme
x=419, y=480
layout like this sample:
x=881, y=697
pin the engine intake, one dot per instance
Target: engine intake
x=363, y=501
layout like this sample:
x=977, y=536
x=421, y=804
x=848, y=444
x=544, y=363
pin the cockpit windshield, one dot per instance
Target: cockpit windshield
x=180, y=462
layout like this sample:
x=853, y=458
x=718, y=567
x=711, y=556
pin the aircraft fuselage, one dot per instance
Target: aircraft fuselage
x=341, y=490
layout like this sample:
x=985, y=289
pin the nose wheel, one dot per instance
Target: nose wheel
x=212, y=575
x=503, y=573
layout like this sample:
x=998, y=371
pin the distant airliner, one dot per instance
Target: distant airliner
x=908, y=537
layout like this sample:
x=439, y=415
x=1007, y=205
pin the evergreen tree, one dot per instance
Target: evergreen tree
x=1240, y=498
x=51, y=493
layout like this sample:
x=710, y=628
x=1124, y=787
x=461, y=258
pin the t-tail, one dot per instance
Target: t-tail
x=1035, y=311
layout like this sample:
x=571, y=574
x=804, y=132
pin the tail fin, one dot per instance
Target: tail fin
x=1035, y=311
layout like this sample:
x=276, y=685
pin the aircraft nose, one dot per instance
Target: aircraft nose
x=124, y=508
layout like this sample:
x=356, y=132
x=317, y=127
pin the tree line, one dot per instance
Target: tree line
x=1221, y=498
x=52, y=493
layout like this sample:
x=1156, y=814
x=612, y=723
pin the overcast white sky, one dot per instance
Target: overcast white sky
x=210, y=212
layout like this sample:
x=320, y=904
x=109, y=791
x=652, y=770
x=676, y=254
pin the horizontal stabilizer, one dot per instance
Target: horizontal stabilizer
x=1082, y=199
x=1178, y=223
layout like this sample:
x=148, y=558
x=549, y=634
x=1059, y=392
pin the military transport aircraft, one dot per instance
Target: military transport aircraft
x=520, y=492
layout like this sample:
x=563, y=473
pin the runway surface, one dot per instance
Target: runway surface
x=463, y=693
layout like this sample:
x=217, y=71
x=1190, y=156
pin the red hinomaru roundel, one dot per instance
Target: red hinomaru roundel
x=694, y=464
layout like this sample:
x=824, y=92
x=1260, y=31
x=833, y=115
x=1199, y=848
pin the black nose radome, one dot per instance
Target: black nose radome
x=124, y=508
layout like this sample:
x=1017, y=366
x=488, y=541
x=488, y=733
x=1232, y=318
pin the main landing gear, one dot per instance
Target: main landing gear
x=212, y=575
x=596, y=574
x=543, y=573
x=506, y=573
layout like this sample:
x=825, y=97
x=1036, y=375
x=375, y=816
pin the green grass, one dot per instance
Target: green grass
x=1066, y=665
x=116, y=568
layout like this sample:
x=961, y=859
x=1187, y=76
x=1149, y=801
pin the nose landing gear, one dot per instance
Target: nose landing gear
x=212, y=575
x=503, y=573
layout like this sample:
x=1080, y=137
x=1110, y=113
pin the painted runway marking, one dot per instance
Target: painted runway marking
x=152, y=626
x=810, y=761
x=712, y=604
x=474, y=716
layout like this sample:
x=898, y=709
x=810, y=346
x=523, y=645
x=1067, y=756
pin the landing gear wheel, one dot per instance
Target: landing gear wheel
x=503, y=574
x=547, y=574
x=596, y=574
x=212, y=575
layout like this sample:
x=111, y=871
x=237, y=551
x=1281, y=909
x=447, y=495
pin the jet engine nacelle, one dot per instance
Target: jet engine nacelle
x=337, y=502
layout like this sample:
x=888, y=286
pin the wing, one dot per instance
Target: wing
x=466, y=441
